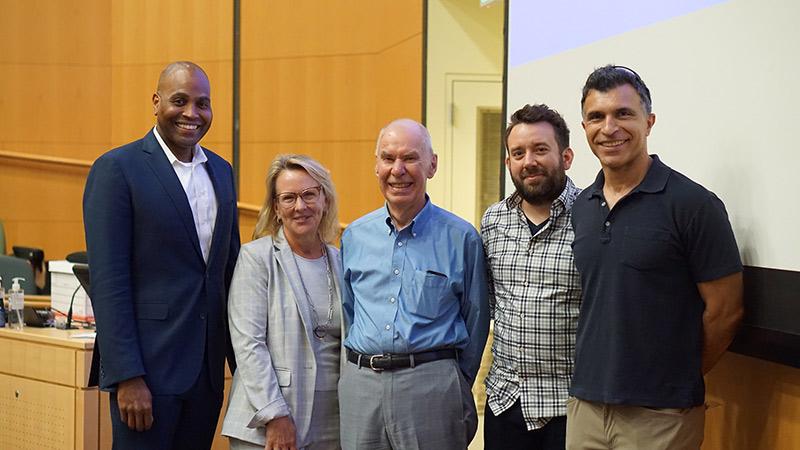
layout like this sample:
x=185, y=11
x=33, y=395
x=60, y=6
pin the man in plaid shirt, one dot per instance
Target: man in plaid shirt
x=535, y=293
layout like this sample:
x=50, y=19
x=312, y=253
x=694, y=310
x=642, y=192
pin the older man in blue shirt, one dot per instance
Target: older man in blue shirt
x=415, y=305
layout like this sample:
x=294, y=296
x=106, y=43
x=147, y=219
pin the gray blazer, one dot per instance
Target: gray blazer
x=271, y=335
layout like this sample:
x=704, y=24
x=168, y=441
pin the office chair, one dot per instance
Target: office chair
x=35, y=257
x=11, y=267
x=78, y=257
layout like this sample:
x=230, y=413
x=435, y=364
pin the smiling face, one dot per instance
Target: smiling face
x=404, y=163
x=617, y=127
x=536, y=164
x=301, y=220
x=182, y=106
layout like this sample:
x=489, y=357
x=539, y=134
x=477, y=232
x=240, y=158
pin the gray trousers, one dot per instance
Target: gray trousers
x=429, y=406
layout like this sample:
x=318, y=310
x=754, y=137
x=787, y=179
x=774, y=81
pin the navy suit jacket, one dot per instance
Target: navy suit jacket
x=158, y=305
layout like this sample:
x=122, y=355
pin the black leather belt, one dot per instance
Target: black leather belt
x=389, y=361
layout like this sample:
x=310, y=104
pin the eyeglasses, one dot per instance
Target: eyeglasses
x=310, y=196
x=640, y=86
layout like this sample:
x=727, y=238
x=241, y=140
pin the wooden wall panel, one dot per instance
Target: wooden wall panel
x=157, y=32
x=307, y=99
x=53, y=73
x=321, y=79
x=54, y=32
x=352, y=167
x=311, y=28
x=398, y=71
x=54, y=83
x=61, y=107
x=755, y=405
x=42, y=206
x=247, y=222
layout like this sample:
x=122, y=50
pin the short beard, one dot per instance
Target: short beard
x=546, y=191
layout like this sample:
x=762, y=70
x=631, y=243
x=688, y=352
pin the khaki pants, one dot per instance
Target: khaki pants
x=598, y=426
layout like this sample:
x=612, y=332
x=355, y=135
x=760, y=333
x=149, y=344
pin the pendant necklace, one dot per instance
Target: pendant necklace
x=320, y=330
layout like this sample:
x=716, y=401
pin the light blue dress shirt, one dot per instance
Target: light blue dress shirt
x=421, y=288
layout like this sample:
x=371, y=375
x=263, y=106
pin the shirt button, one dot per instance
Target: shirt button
x=388, y=327
x=608, y=224
x=392, y=300
x=603, y=204
x=397, y=271
x=399, y=244
x=414, y=234
x=202, y=317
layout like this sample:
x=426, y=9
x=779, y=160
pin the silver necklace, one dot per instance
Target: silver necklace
x=320, y=330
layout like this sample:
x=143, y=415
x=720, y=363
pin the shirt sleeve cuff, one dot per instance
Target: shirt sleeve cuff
x=269, y=412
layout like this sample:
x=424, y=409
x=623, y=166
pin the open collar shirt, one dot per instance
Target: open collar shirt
x=535, y=297
x=199, y=191
x=417, y=289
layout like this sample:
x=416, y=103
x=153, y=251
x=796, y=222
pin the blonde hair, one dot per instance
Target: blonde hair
x=268, y=224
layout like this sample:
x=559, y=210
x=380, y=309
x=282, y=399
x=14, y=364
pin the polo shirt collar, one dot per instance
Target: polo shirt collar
x=418, y=223
x=655, y=180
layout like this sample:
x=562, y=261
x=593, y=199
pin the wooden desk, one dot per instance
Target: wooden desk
x=44, y=399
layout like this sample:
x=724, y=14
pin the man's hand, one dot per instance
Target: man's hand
x=281, y=434
x=135, y=404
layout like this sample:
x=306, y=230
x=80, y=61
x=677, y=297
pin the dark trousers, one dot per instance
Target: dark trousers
x=180, y=422
x=508, y=431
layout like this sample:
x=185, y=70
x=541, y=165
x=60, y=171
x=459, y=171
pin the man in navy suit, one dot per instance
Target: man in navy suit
x=162, y=236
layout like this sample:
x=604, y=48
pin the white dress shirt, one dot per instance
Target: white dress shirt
x=199, y=191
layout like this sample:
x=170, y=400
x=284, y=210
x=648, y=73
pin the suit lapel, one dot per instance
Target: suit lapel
x=223, y=202
x=165, y=174
x=287, y=262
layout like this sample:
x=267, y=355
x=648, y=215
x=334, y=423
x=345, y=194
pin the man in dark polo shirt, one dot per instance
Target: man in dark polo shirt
x=661, y=279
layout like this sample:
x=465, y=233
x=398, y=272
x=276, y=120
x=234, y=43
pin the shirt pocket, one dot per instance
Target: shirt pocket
x=284, y=377
x=646, y=248
x=430, y=293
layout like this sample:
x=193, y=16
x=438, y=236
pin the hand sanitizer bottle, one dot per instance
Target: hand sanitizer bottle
x=2, y=305
x=16, y=303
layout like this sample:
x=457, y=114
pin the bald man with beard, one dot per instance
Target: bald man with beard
x=162, y=236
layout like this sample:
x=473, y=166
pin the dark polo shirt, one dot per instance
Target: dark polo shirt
x=640, y=331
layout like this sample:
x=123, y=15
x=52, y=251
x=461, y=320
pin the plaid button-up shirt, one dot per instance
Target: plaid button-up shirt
x=535, y=297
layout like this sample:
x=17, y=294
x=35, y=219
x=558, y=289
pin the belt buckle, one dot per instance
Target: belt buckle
x=372, y=366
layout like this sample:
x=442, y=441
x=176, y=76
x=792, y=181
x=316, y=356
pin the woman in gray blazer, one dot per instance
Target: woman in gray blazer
x=284, y=314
